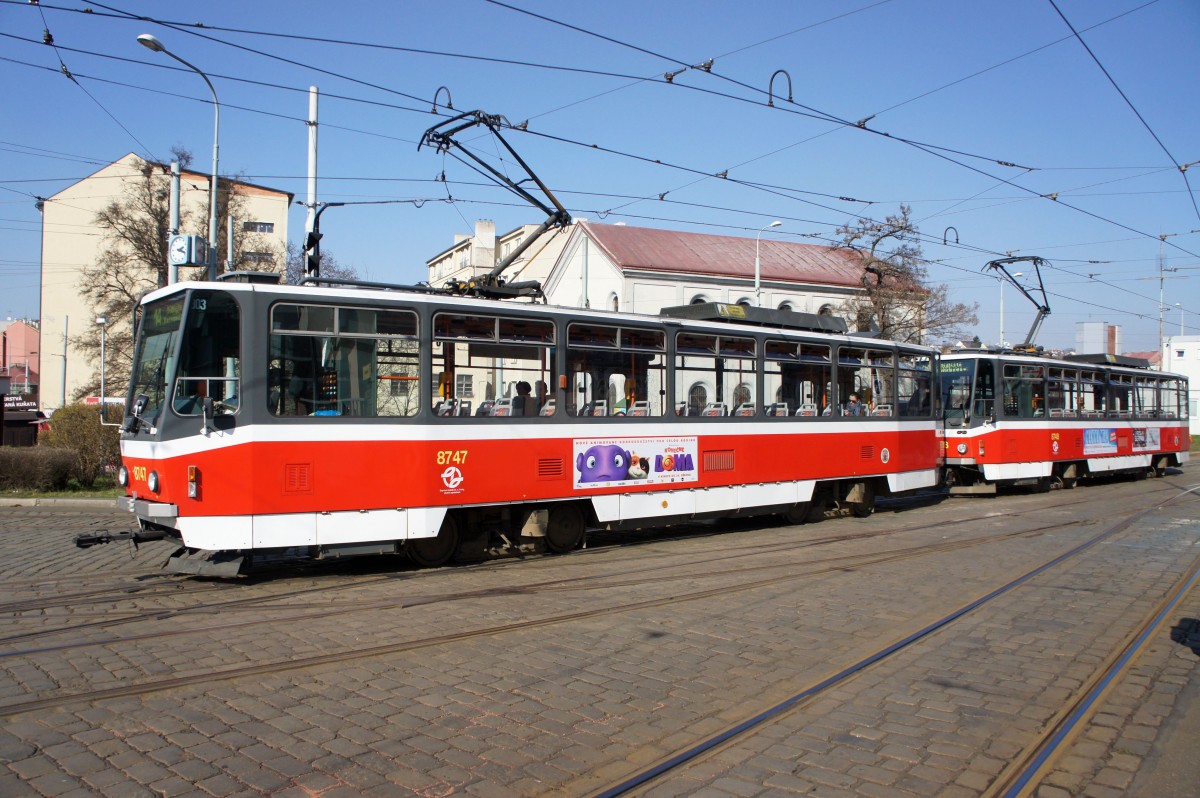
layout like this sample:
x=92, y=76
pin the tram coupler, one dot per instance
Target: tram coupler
x=85, y=540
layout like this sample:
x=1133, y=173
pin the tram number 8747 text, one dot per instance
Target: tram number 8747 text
x=448, y=456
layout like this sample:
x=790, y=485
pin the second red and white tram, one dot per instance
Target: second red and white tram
x=344, y=420
x=1015, y=418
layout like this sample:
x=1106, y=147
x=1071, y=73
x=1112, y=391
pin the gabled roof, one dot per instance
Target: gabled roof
x=644, y=248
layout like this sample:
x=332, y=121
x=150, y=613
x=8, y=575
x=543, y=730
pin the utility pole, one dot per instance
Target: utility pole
x=173, y=269
x=312, y=160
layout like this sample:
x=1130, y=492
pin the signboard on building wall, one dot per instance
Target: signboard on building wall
x=14, y=402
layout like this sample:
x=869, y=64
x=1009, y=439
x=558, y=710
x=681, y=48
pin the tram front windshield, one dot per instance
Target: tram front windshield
x=955, y=378
x=155, y=355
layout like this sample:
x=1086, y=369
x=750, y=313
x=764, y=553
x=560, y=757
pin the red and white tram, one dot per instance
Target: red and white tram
x=1017, y=418
x=348, y=420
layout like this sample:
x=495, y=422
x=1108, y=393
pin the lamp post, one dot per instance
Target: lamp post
x=103, y=322
x=1000, y=278
x=152, y=43
x=758, y=263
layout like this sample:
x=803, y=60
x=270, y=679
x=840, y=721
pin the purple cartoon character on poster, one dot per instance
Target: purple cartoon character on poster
x=603, y=463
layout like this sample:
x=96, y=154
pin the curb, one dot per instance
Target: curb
x=107, y=504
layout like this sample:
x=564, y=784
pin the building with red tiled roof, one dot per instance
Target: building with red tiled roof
x=643, y=270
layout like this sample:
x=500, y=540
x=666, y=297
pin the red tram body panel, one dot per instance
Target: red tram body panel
x=270, y=417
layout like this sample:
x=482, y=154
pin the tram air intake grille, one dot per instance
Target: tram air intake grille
x=550, y=468
x=297, y=478
x=719, y=461
x=868, y=452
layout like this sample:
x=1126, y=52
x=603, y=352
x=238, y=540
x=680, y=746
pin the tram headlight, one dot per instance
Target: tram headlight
x=152, y=482
x=123, y=477
x=962, y=448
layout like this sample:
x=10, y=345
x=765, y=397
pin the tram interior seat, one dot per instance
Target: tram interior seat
x=640, y=408
x=485, y=407
x=715, y=409
x=502, y=407
x=745, y=409
x=1056, y=412
x=548, y=408
x=882, y=410
x=524, y=406
x=807, y=409
x=778, y=409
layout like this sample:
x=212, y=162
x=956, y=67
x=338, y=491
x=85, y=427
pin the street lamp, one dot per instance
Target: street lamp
x=758, y=263
x=1000, y=277
x=103, y=322
x=152, y=43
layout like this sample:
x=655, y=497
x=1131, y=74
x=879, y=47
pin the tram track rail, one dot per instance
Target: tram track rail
x=842, y=564
x=1016, y=779
x=591, y=581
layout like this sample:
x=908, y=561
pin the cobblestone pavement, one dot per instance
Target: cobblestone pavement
x=564, y=675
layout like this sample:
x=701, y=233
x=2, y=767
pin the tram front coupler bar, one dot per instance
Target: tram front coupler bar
x=85, y=540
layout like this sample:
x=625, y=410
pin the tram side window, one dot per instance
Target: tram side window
x=1090, y=395
x=1175, y=403
x=914, y=380
x=1146, y=397
x=616, y=371
x=715, y=375
x=1062, y=397
x=493, y=367
x=1120, y=395
x=210, y=355
x=797, y=376
x=1024, y=390
x=339, y=361
x=869, y=374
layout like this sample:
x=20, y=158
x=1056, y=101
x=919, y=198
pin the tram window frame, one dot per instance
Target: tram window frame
x=210, y=356
x=797, y=375
x=870, y=373
x=1062, y=392
x=509, y=360
x=1092, y=395
x=711, y=372
x=616, y=370
x=334, y=361
x=1023, y=387
x=914, y=382
x=1120, y=392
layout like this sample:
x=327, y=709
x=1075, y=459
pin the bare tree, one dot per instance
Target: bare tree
x=898, y=299
x=329, y=266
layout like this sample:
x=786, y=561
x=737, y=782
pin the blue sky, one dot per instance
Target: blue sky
x=1008, y=106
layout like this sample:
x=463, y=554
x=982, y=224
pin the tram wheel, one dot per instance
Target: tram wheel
x=798, y=513
x=435, y=551
x=864, y=505
x=564, y=528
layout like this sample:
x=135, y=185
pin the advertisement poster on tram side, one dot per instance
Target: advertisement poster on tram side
x=602, y=462
x=1099, y=441
x=1147, y=439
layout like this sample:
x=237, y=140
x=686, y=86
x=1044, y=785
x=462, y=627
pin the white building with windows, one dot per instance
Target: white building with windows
x=642, y=270
x=1181, y=355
